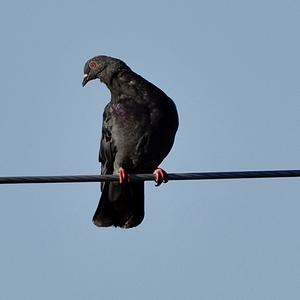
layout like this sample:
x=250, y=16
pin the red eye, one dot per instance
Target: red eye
x=92, y=64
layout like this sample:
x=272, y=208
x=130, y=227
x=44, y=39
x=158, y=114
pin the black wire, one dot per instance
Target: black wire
x=150, y=177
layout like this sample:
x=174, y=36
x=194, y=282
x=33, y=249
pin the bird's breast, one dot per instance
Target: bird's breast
x=118, y=109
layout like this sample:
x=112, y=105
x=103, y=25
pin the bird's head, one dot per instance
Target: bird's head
x=101, y=67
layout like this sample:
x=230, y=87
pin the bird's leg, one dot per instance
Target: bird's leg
x=123, y=176
x=161, y=176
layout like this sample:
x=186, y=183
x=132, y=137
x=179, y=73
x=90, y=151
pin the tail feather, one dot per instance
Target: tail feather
x=120, y=205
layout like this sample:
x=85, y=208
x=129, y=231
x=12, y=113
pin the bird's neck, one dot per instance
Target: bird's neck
x=115, y=81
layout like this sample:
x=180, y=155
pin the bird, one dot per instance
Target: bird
x=138, y=131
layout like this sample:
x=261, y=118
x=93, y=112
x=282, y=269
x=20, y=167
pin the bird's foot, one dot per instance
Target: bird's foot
x=123, y=176
x=161, y=176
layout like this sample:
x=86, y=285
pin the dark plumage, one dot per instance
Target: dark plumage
x=139, y=127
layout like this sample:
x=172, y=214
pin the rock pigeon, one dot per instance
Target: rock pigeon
x=139, y=127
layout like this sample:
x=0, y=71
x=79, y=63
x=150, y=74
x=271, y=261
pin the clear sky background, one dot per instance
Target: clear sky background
x=233, y=69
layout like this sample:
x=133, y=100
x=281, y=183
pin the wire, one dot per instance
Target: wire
x=150, y=177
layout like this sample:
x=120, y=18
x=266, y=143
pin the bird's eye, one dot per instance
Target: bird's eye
x=92, y=64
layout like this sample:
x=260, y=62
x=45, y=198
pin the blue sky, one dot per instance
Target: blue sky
x=232, y=67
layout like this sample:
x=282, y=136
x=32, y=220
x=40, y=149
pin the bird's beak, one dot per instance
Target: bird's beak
x=85, y=80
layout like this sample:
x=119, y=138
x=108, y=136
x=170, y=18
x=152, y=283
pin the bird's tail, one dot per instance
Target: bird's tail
x=120, y=205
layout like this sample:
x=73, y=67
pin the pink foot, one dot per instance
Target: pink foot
x=161, y=176
x=123, y=176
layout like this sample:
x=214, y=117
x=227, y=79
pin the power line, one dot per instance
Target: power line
x=150, y=177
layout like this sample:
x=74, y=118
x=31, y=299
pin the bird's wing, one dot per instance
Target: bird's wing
x=107, y=148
